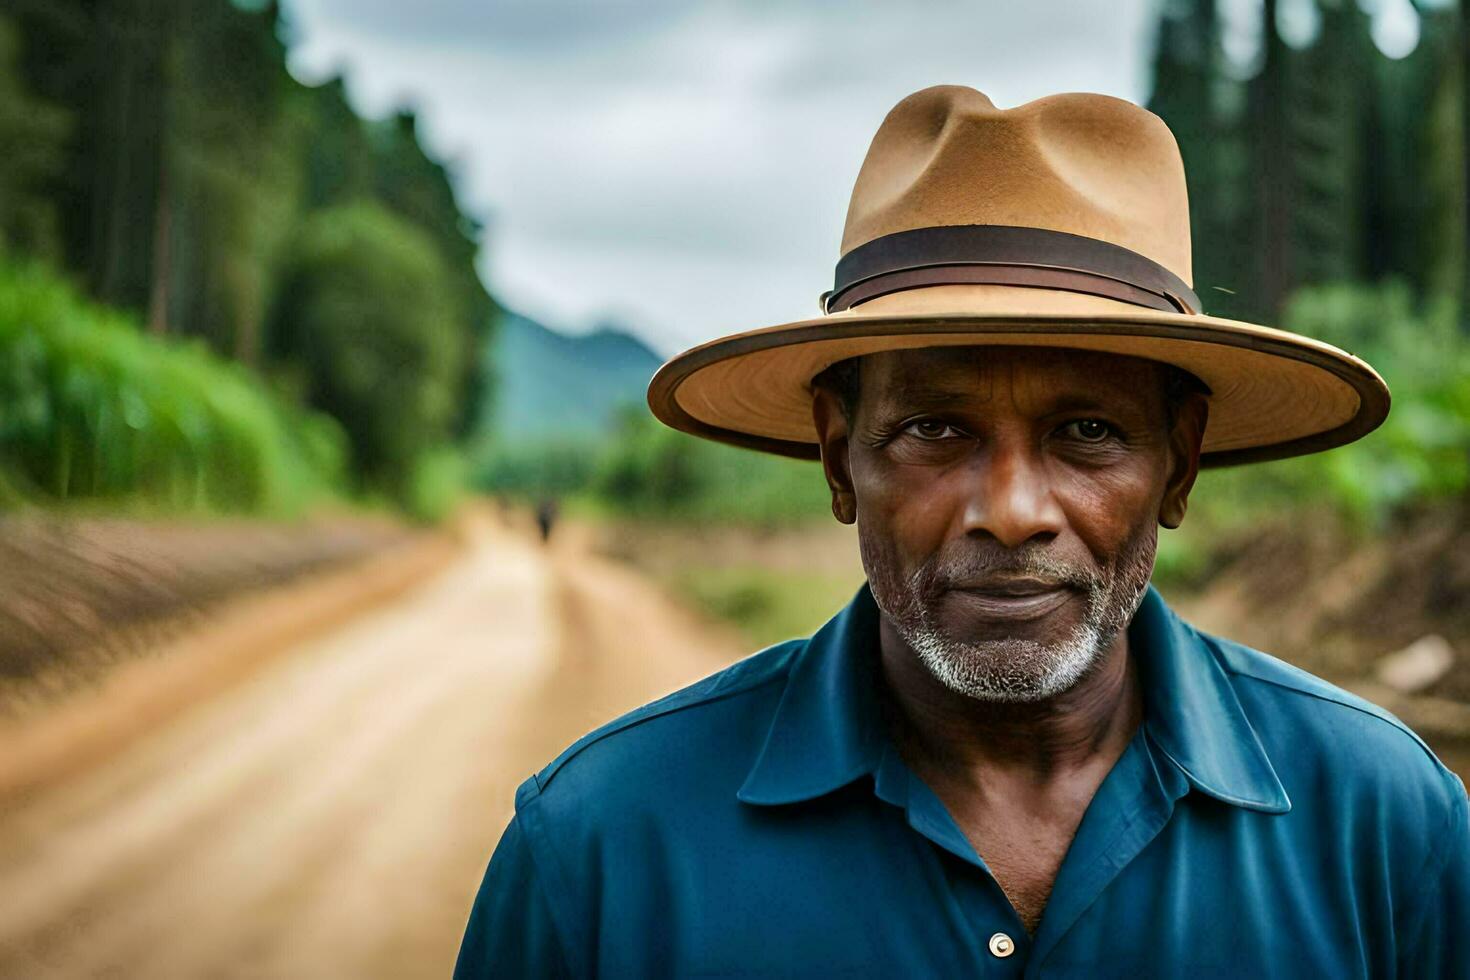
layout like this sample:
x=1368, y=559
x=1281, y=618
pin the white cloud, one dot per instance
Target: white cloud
x=686, y=168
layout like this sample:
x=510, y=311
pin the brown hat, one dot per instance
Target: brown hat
x=1060, y=223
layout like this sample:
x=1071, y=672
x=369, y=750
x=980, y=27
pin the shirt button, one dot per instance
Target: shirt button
x=1001, y=945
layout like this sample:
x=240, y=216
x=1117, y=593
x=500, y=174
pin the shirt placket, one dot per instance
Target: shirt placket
x=982, y=914
x=1129, y=809
x=1127, y=812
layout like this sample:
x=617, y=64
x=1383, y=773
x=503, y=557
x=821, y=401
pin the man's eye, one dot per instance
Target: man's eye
x=931, y=429
x=1090, y=430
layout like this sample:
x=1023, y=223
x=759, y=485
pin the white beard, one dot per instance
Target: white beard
x=1017, y=670
x=1004, y=670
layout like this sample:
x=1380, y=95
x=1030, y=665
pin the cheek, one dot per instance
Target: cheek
x=1108, y=508
x=904, y=517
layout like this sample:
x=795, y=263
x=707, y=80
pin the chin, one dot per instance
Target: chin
x=1008, y=670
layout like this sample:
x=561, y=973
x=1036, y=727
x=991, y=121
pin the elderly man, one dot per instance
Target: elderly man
x=1006, y=756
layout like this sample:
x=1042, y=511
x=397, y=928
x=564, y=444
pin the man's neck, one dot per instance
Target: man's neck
x=1083, y=727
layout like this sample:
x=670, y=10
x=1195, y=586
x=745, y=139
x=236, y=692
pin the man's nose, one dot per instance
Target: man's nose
x=1011, y=498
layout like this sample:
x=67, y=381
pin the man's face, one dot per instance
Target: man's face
x=1007, y=501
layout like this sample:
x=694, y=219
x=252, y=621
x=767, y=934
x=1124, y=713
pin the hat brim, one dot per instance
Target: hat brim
x=1274, y=394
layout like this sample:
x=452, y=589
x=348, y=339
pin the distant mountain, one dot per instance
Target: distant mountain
x=551, y=384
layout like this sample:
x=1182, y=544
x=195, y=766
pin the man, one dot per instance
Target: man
x=1006, y=756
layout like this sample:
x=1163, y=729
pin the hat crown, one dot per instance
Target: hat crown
x=1089, y=165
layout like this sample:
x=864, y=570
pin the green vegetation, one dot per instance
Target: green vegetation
x=1421, y=452
x=1419, y=456
x=96, y=410
x=767, y=605
x=1317, y=159
x=276, y=260
x=36, y=133
x=646, y=470
x=367, y=316
x=162, y=159
x=649, y=470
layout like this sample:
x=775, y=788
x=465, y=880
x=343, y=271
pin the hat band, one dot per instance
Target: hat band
x=1004, y=255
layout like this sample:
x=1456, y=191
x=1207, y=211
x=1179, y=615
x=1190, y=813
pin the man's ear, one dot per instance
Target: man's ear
x=1185, y=440
x=832, y=439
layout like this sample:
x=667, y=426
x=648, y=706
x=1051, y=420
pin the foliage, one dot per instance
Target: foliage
x=162, y=155
x=97, y=410
x=1321, y=160
x=652, y=470
x=367, y=314
x=767, y=604
x=348, y=161
x=647, y=470
x=556, y=468
x=437, y=484
x=1421, y=452
x=35, y=133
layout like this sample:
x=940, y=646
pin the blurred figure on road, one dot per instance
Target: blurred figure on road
x=546, y=517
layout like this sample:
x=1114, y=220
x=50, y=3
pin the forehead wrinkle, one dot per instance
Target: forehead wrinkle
x=1065, y=388
x=935, y=382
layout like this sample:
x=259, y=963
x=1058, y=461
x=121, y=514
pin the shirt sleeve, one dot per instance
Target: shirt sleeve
x=510, y=932
x=1438, y=945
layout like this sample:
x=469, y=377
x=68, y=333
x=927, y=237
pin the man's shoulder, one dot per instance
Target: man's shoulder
x=1329, y=735
x=715, y=724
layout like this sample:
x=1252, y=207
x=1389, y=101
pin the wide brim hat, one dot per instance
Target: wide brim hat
x=1062, y=223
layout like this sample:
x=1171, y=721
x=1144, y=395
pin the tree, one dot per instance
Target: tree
x=1202, y=106
x=35, y=133
x=418, y=187
x=368, y=317
x=1464, y=60
x=1333, y=127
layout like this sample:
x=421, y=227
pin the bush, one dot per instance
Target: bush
x=649, y=470
x=1421, y=452
x=437, y=484
x=95, y=409
x=645, y=469
x=368, y=316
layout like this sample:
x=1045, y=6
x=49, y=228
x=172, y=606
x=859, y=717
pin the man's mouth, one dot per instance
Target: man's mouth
x=1014, y=599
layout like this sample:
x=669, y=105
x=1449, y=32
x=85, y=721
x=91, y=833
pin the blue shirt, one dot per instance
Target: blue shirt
x=1260, y=823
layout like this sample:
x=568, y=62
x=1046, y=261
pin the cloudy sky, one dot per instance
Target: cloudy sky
x=635, y=159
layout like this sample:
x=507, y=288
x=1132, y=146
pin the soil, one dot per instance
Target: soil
x=1334, y=602
x=78, y=596
x=332, y=814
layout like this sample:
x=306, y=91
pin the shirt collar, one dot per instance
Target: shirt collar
x=827, y=731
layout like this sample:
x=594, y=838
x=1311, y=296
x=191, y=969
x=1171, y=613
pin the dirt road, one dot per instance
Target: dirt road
x=331, y=815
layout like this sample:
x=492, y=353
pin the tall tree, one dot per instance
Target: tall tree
x=35, y=134
x=232, y=175
x=1333, y=123
x=194, y=155
x=1464, y=61
x=1428, y=191
x=1271, y=171
x=418, y=187
x=1202, y=106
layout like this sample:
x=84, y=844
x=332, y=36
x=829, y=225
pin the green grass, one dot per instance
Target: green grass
x=766, y=605
x=95, y=411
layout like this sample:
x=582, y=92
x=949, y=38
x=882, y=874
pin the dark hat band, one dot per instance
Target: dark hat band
x=1004, y=255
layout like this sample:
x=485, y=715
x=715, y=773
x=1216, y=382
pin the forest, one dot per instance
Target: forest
x=223, y=289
